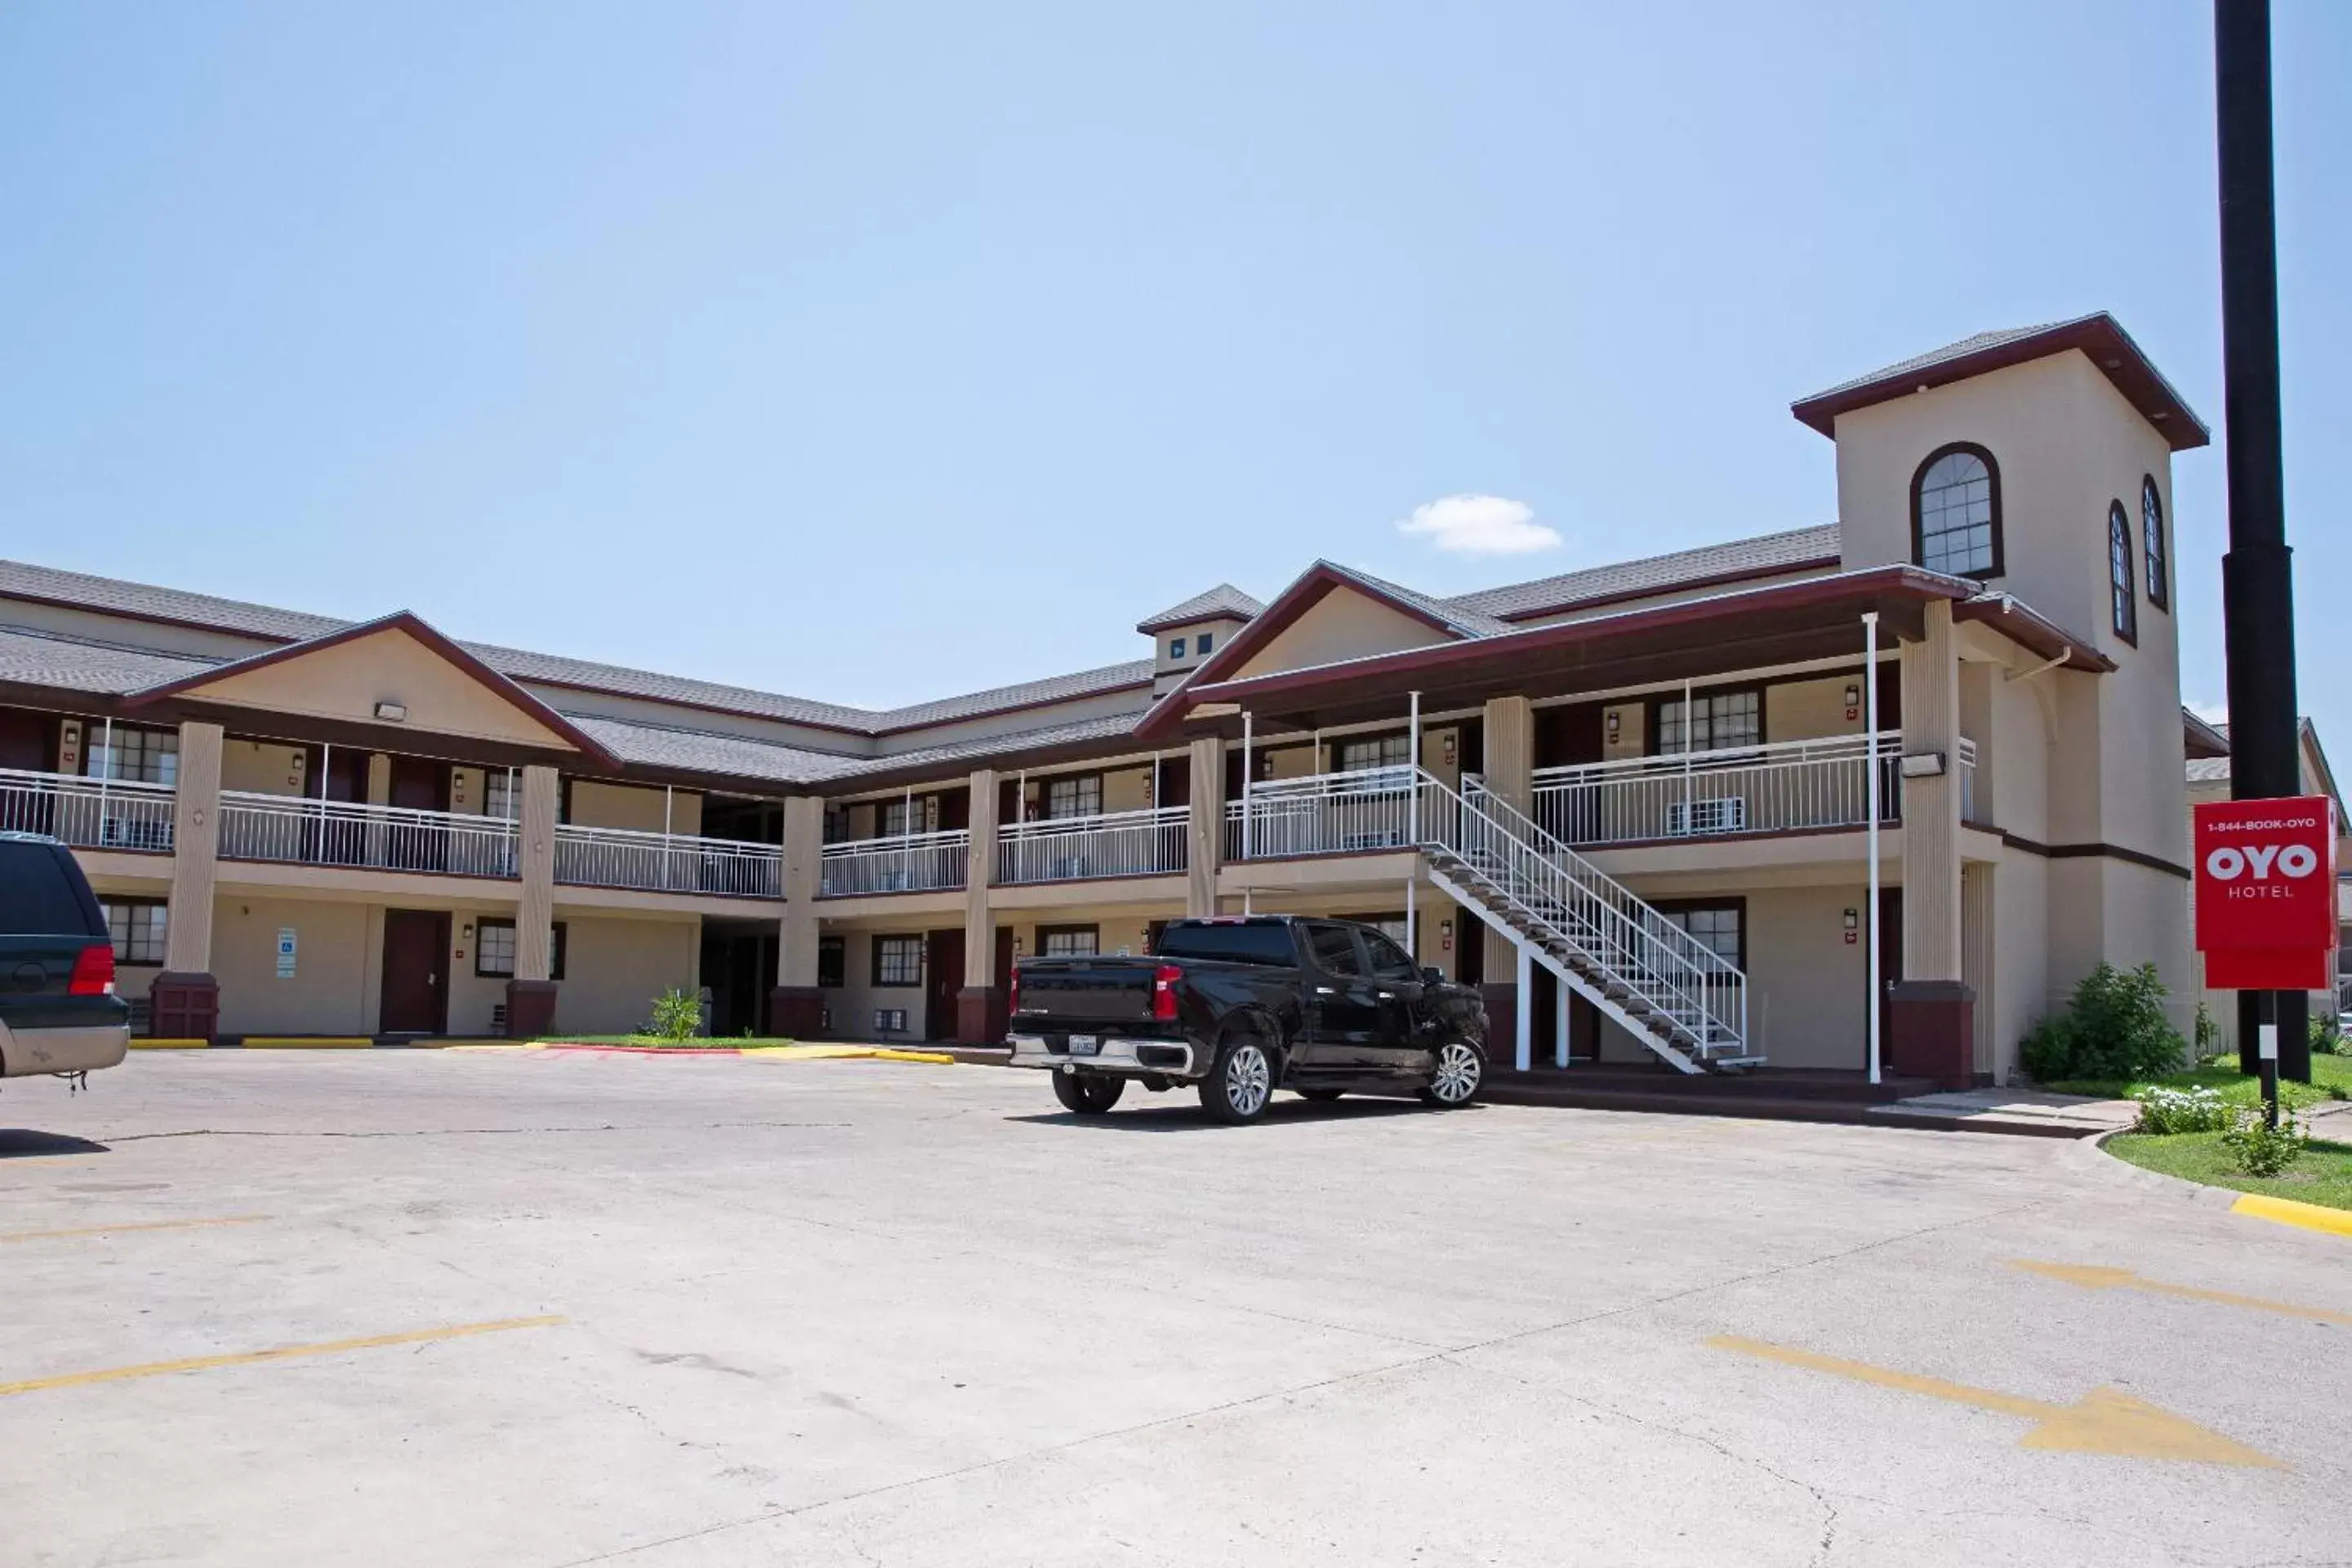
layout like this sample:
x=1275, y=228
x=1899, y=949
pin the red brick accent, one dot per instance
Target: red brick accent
x=981, y=1016
x=530, y=1008
x=183, y=1006
x=796, y=1012
x=1931, y=1032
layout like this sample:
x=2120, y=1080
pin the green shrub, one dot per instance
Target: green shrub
x=2208, y=1033
x=2114, y=1027
x=2325, y=1034
x=2196, y=1110
x=678, y=1014
x=2263, y=1150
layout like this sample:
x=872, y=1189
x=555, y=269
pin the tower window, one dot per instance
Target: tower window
x=2151, y=527
x=2119, y=573
x=1956, y=512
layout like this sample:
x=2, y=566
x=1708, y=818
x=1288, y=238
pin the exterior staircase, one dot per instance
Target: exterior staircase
x=1668, y=990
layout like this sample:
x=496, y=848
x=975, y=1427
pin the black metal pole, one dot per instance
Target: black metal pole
x=2257, y=574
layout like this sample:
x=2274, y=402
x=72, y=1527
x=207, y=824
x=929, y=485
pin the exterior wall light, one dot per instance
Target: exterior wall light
x=391, y=712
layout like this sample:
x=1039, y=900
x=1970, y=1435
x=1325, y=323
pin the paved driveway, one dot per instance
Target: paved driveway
x=555, y=1309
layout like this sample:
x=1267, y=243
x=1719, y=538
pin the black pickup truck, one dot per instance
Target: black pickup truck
x=1241, y=1006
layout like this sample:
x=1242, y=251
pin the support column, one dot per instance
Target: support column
x=183, y=1002
x=796, y=1007
x=1931, y=1016
x=530, y=994
x=1510, y=727
x=1205, y=852
x=982, y=1009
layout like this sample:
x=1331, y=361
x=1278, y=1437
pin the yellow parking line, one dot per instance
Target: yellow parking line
x=2286, y=1211
x=144, y=1225
x=147, y=1044
x=283, y=1353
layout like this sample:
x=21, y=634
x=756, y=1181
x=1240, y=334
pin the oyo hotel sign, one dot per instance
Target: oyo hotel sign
x=2266, y=892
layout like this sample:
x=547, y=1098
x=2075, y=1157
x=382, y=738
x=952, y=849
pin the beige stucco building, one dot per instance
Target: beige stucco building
x=1634, y=802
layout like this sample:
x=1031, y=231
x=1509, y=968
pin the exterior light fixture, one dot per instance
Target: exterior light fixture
x=1614, y=717
x=391, y=712
x=1924, y=766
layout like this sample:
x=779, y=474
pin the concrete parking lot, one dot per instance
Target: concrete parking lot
x=542, y=1308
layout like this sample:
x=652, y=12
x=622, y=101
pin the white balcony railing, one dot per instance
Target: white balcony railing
x=372, y=838
x=1788, y=786
x=1074, y=848
x=1969, y=780
x=1324, y=814
x=903, y=863
x=667, y=862
x=90, y=813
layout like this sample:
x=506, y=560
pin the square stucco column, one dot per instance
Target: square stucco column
x=1205, y=842
x=184, y=1001
x=981, y=1011
x=796, y=1007
x=1510, y=728
x=1931, y=1016
x=530, y=994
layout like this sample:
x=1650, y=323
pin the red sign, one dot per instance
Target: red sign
x=2266, y=892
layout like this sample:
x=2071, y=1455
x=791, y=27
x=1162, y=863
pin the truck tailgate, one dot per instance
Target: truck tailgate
x=1086, y=990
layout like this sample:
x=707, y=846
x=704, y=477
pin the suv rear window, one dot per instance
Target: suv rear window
x=42, y=893
x=1268, y=945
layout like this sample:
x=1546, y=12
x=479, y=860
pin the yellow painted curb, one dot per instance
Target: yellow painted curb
x=170, y=1045
x=308, y=1043
x=2286, y=1211
x=844, y=1053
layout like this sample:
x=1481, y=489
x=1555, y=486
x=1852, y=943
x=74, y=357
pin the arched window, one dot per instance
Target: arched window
x=1956, y=512
x=2151, y=528
x=2119, y=573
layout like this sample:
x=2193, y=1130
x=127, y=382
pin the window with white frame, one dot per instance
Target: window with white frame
x=135, y=755
x=1069, y=941
x=898, y=961
x=1079, y=795
x=1716, y=927
x=494, y=950
x=501, y=794
x=900, y=817
x=1370, y=752
x=138, y=927
x=1718, y=719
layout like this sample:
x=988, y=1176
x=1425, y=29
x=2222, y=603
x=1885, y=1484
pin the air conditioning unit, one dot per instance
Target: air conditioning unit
x=1726, y=814
x=889, y=1020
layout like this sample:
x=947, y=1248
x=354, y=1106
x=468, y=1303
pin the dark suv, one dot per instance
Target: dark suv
x=59, y=1012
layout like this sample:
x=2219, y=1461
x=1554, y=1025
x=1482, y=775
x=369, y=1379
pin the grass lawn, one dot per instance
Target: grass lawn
x=2331, y=1079
x=656, y=1043
x=2324, y=1175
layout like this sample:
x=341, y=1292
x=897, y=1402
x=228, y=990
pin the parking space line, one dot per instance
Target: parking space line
x=122, y=1229
x=282, y=1352
x=2104, y=1421
x=2092, y=1277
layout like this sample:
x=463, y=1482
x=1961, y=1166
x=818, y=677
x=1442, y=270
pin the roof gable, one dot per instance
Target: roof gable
x=355, y=674
x=1222, y=603
x=2098, y=336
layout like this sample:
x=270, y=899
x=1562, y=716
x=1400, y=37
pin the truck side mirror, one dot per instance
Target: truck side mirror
x=1432, y=975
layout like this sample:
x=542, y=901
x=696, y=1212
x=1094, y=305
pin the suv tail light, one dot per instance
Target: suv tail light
x=93, y=972
x=1164, y=992
x=1012, y=995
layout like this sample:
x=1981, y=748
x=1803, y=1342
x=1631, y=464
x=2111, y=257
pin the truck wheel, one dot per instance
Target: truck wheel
x=1460, y=1071
x=1087, y=1094
x=1240, y=1081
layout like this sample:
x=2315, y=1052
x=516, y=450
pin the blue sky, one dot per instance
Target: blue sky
x=874, y=352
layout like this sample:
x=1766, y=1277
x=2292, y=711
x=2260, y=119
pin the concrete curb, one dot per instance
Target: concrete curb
x=2095, y=1158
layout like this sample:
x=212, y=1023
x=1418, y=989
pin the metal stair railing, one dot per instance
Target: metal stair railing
x=1699, y=997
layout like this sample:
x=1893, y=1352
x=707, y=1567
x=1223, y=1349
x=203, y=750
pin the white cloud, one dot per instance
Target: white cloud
x=1480, y=525
x=2212, y=712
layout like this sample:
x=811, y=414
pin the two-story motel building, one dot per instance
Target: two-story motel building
x=1634, y=802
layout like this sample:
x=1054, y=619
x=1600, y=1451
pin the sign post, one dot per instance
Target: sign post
x=2266, y=906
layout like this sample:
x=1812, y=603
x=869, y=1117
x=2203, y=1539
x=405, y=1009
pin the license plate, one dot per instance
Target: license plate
x=1085, y=1045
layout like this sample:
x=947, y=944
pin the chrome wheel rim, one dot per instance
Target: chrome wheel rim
x=1248, y=1080
x=1457, y=1074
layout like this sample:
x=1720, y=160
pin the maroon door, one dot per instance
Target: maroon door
x=1890, y=969
x=415, y=972
x=418, y=784
x=942, y=978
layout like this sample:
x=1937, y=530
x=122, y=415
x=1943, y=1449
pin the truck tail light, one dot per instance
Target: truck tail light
x=1013, y=996
x=1164, y=992
x=93, y=972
